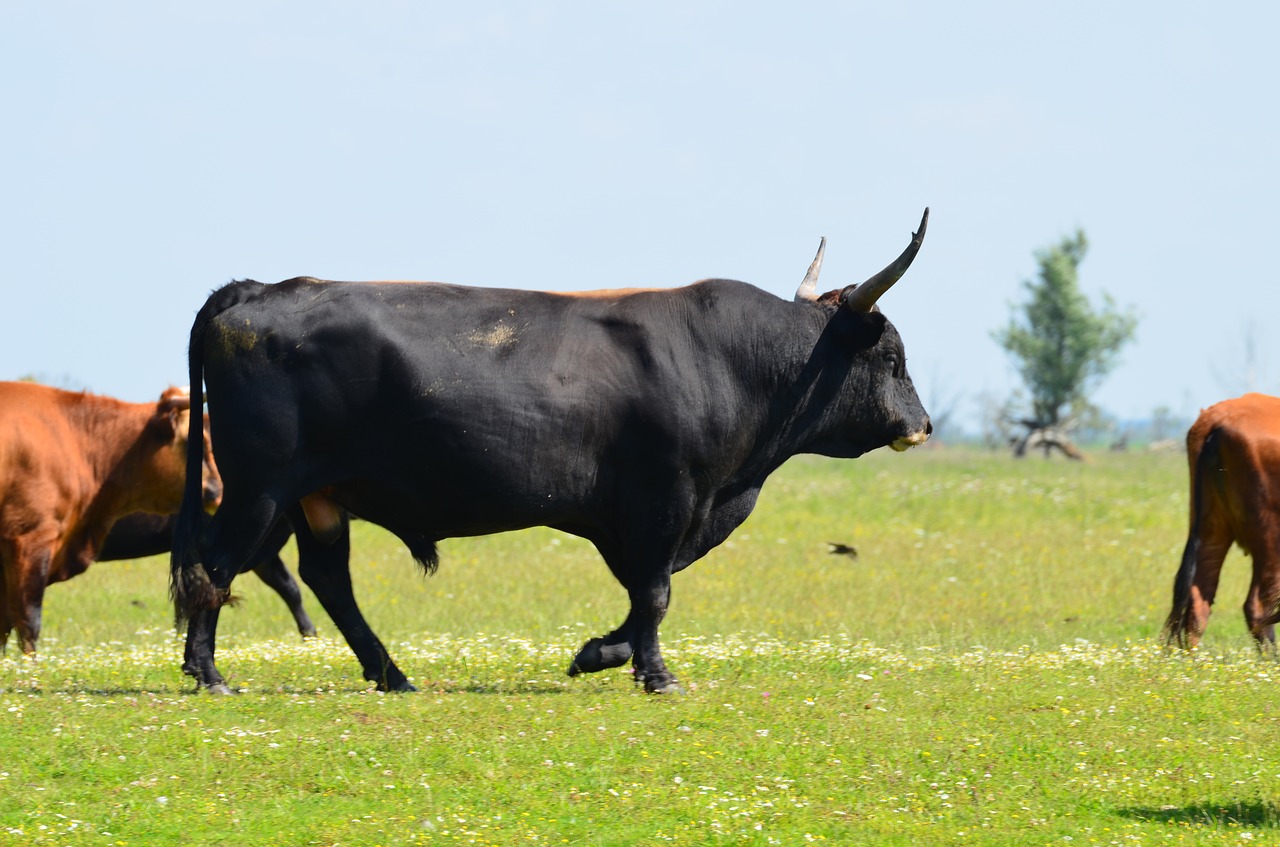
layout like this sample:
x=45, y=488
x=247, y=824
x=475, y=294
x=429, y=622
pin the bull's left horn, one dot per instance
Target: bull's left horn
x=808, y=289
x=860, y=298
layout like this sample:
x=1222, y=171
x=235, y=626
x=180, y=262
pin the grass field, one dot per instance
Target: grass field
x=985, y=671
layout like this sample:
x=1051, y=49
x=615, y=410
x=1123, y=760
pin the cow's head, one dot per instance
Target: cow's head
x=876, y=404
x=163, y=457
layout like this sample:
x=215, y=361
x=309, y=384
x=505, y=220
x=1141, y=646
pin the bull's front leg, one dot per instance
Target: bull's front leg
x=649, y=604
x=326, y=569
x=645, y=572
x=610, y=651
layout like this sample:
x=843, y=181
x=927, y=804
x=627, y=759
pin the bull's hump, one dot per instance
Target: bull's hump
x=605, y=293
x=594, y=294
x=591, y=294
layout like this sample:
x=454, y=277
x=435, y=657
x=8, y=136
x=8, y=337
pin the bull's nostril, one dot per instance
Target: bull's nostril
x=928, y=427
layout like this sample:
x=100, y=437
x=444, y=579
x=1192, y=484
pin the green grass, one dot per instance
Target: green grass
x=985, y=671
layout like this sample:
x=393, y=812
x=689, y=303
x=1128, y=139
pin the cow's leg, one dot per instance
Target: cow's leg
x=1264, y=591
x=26, y=580
x=326, y=569
x=7, y=566
x=6, y=622
x=272, y=571
x=1212, y=552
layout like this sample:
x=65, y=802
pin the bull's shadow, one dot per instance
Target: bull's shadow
x=95, y=690
x=1251, y=813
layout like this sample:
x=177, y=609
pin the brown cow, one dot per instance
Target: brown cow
x=71, y=464
x=1233, y=450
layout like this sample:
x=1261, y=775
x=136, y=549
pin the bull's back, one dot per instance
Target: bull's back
x=480, y=400
x=470, y=401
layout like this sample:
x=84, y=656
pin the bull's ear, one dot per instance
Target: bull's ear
x=867, y=329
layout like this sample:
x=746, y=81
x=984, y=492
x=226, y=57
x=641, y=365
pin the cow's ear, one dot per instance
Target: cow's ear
x=175, y=398
x=867, y=328
x=169, y=417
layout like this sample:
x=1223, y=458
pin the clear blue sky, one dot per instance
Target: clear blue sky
x=153, y=151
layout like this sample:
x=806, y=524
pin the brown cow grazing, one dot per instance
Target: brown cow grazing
x=1233, y=450
x=71, y=464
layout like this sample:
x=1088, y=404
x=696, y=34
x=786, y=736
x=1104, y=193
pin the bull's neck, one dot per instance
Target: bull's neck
x=798, y=387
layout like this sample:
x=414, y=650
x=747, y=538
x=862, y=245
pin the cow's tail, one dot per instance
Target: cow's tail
x=1205, y=473
x=189, y=583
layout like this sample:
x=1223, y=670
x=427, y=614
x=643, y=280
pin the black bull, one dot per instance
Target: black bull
x=645, y=421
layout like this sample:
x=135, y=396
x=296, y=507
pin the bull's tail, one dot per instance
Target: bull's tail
x=1205, y=473
x=189, y=583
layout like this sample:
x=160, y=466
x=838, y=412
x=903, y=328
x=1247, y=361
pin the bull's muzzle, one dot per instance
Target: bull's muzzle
x=915, y=439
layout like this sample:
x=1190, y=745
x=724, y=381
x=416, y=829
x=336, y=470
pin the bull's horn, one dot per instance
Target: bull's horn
x=860, y=298
x=808, y=289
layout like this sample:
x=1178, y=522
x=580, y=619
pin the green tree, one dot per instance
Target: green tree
x=1063, y=346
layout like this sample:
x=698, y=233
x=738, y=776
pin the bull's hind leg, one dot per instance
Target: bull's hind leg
x=326, y=569
x=230, y=540
x=197, y=659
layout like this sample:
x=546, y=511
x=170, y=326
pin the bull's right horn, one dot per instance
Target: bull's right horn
x=861, y=298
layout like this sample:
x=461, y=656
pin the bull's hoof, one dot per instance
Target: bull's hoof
x=656, y=686
x=598, y=655
x=403, y=687
x=308, y=633
x=391, y=683
x=217, y=688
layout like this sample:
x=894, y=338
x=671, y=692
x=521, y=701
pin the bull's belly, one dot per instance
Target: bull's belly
x=439, y=508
